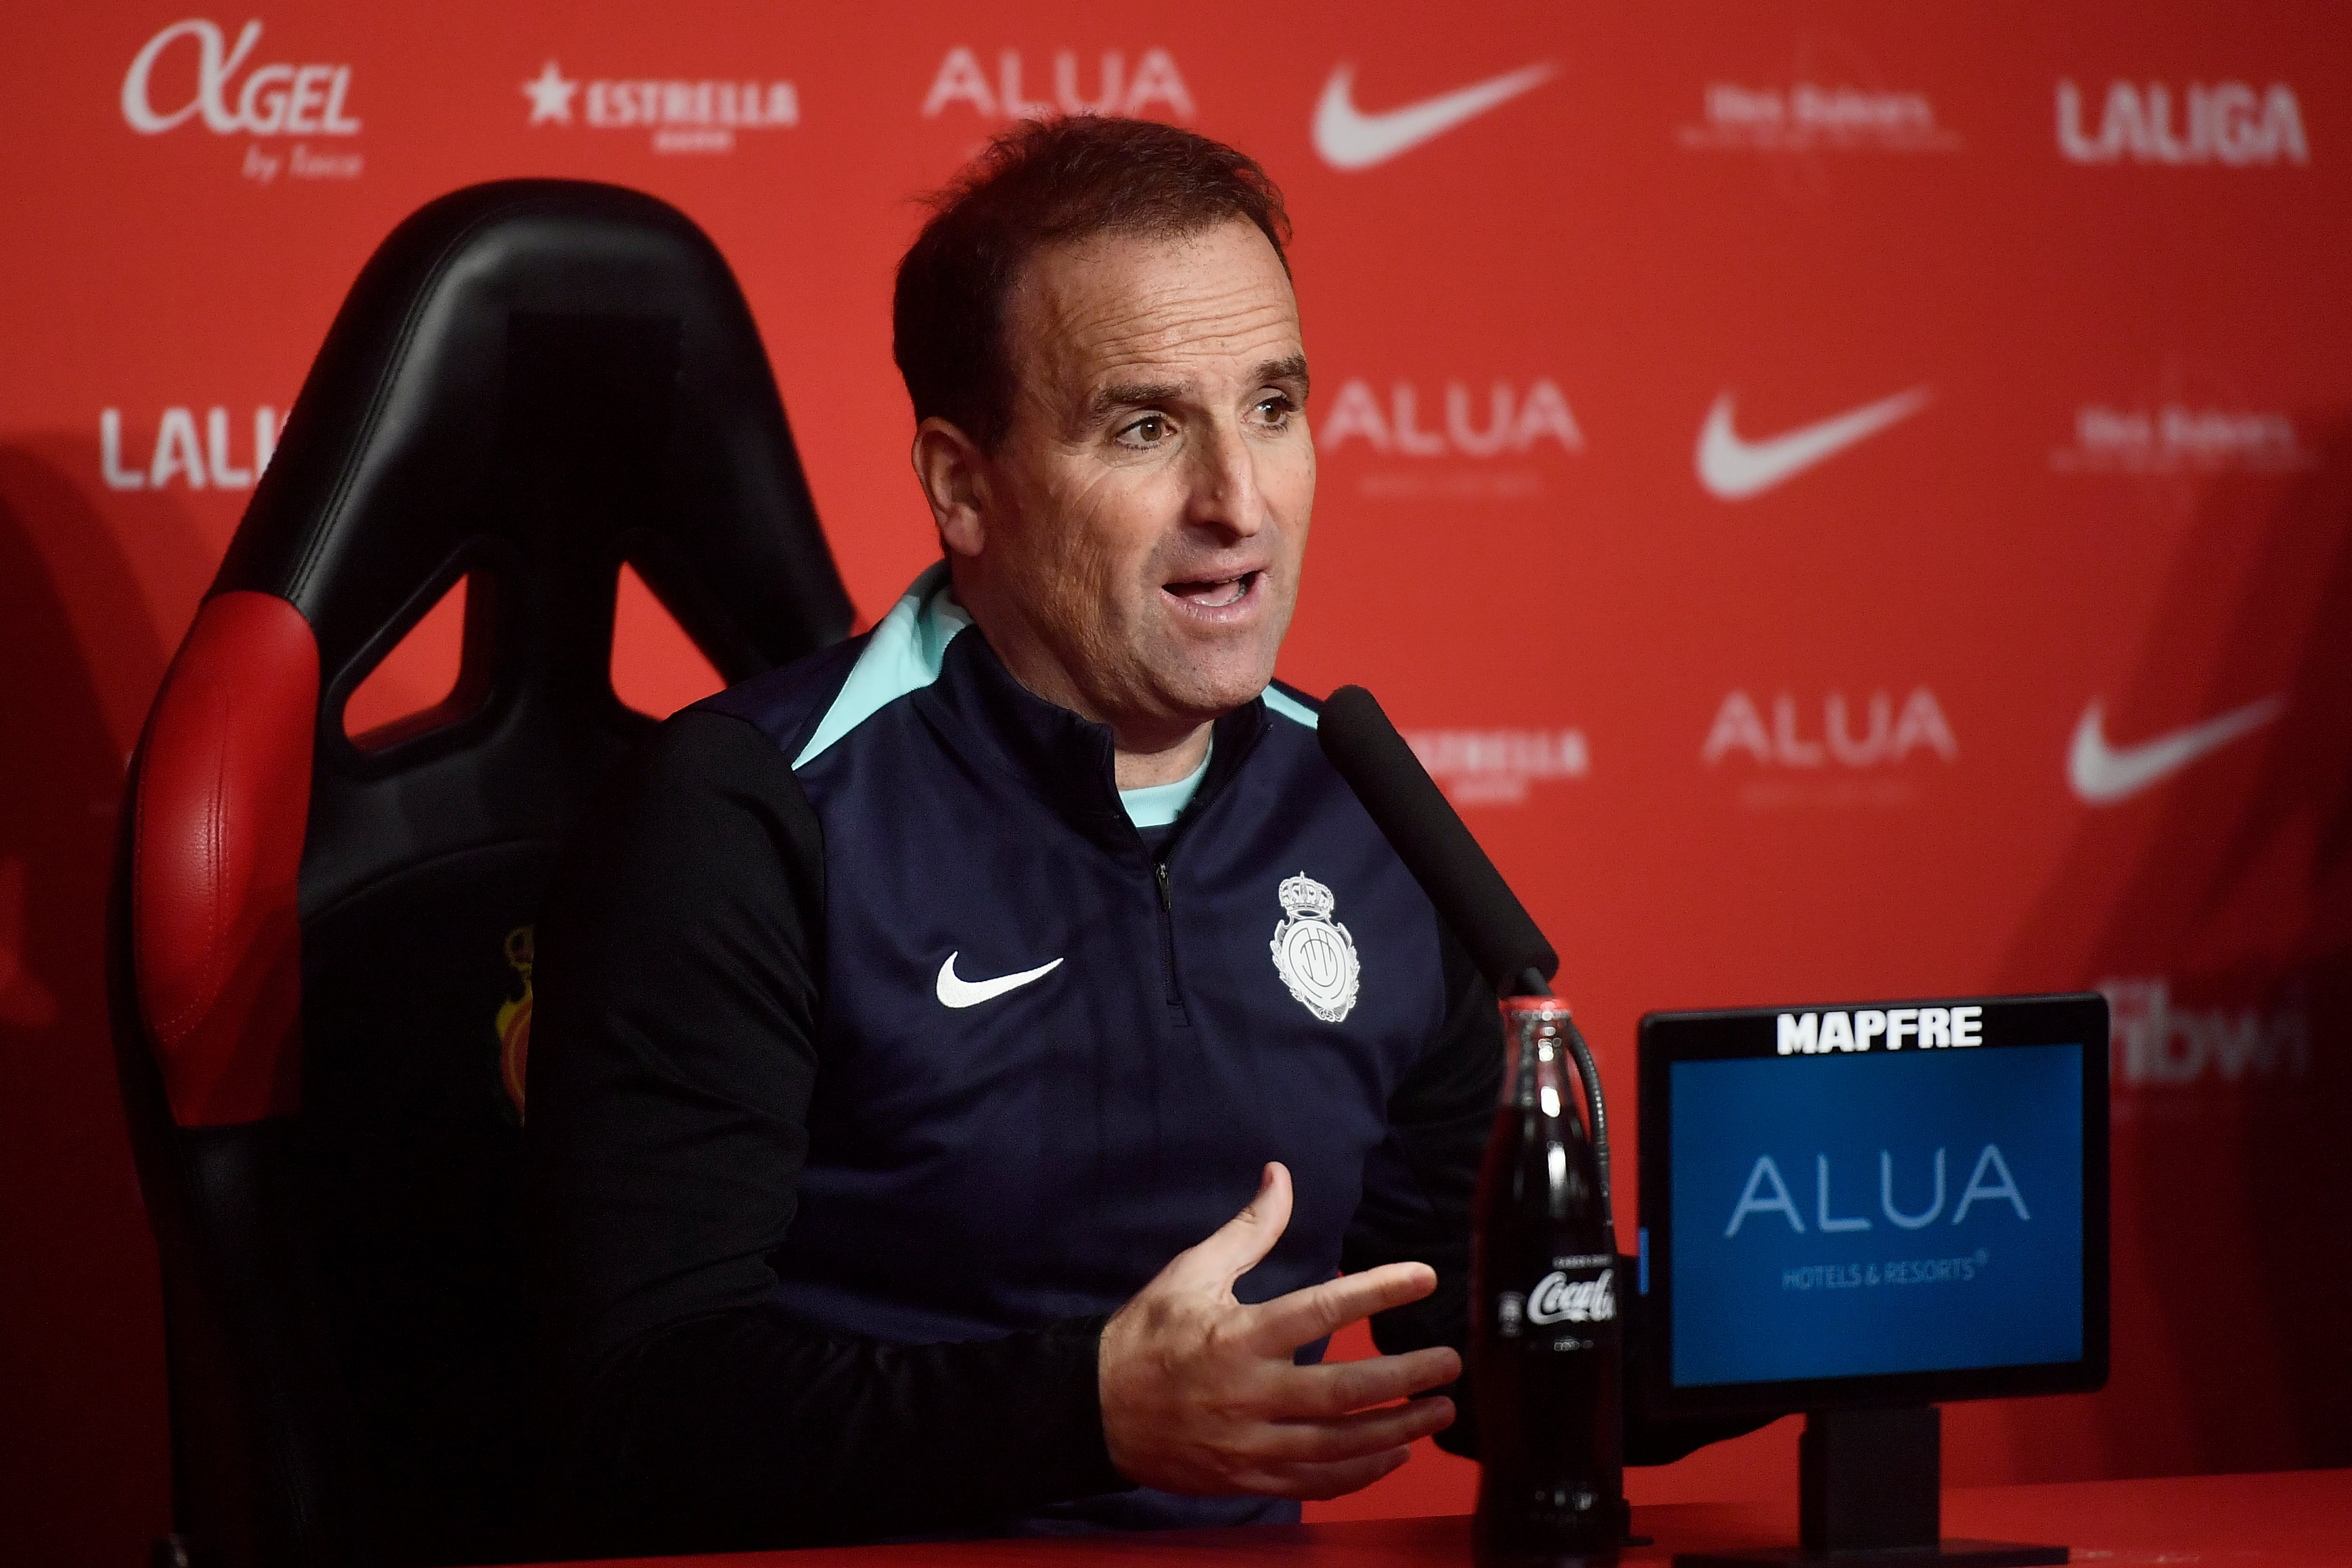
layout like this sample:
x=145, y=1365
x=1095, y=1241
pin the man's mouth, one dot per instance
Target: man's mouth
x=1216, y=594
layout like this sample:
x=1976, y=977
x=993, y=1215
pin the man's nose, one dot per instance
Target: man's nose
x=1225, y=492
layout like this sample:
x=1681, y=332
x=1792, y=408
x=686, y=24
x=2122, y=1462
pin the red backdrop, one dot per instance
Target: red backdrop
x=1851, y=498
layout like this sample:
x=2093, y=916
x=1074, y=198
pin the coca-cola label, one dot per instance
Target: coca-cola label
x=1556, y=1298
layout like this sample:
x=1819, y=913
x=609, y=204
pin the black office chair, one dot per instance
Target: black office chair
x=320, y=945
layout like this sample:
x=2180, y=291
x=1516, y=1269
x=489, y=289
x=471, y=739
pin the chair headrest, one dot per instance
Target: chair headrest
x=531, y=382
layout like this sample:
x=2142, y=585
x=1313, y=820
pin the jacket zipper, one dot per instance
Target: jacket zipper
x=1167, y=932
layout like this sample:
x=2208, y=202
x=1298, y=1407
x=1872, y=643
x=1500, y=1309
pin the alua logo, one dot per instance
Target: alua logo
x=1556, y=1298
x=1154, y=84
x=1889, y=736
x=683, y=116
x=274, y=100
x=1506, y=420
x=2227, y=123
x=1314, y=954
x=1990, y=1183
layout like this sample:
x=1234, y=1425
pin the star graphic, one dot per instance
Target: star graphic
x=550, y=96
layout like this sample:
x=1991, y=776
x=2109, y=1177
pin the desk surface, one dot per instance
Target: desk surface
x=2293, y=1518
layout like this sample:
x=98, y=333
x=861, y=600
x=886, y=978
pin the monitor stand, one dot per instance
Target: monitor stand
x=1869, y=1495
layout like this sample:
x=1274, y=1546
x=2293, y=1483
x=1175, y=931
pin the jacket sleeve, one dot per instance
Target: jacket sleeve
x=1420, y=1184
x=674, y=1051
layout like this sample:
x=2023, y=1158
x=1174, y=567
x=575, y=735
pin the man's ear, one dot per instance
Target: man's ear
x=948, y=466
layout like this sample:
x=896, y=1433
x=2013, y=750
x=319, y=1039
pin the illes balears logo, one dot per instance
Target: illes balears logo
x=1813, y=116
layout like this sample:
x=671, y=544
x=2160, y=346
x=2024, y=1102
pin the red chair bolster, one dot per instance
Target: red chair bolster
x=224, y=799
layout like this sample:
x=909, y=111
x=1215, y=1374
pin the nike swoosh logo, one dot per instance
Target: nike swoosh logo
x=1734, y=470
x=956, y=992
x=1349, y=139
x=2103, y=774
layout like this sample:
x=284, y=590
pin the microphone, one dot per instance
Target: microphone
x=1422, y=826
x=1430, y=837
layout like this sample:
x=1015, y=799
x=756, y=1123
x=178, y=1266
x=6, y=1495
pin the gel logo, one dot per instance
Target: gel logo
x=1811, y=1033
x=1766, y=1194
x=196, y=462
x=1510, y=421
x=1889, y=736
x=276, y=100
x=2225, y=123
x=1156, y=80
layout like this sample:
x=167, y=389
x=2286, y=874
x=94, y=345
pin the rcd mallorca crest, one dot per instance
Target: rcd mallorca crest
x=1313, y=952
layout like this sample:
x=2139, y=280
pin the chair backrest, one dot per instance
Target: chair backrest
x=321, y=945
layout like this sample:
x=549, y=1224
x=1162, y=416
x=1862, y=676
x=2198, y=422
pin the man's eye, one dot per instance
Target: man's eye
x=1148, y=431
x=1276, y=409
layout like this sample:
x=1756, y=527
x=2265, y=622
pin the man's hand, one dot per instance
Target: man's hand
x=1199, y=1394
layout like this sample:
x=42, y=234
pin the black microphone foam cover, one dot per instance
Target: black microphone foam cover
x=1422, y=826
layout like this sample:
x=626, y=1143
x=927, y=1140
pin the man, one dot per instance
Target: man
x=913, y=1020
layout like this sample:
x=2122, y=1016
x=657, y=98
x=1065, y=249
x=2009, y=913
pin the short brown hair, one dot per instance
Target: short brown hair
x=1044, y=183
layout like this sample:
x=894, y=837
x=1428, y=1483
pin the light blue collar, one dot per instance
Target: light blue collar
x=1156, y=806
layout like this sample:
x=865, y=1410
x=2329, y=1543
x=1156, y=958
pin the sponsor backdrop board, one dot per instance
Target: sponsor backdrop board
x=1850, y=499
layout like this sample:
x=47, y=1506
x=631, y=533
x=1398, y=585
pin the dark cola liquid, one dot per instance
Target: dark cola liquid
x=1545, y=1363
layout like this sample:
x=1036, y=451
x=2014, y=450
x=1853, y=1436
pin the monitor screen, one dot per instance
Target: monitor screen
x=1876, y=1201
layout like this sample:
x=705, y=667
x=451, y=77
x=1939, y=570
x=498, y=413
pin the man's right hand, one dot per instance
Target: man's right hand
x=1199, y=1394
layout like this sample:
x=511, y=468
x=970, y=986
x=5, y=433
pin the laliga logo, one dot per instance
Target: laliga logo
x=181, y=455
x=1756, y=1199
x=276, y=99
x=2224, y=123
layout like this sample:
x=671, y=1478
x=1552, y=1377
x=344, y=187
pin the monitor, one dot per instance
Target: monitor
x=1873, y=1202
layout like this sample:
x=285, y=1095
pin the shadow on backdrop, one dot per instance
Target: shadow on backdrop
x=84, y=1467
x=2216, y=911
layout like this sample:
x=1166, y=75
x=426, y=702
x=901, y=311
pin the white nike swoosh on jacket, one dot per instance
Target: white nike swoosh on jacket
x=1734, y=470
x=1349, y=139
x=2102, y=775
x=956, y=992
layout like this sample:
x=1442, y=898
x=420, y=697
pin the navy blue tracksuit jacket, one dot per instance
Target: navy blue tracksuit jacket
x=880, y=1055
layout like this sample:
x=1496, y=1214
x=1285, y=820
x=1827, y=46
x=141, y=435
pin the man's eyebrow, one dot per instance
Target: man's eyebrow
x=1293, y=368
x=1133, y=394
x=1110, y=399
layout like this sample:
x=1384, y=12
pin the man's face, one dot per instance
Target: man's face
x=1147, y=512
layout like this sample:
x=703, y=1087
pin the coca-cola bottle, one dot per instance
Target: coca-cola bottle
x=1545, y=1364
